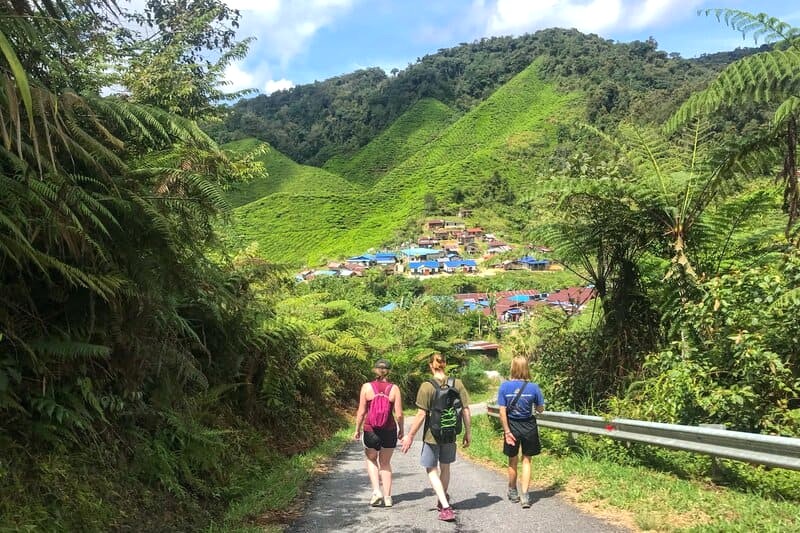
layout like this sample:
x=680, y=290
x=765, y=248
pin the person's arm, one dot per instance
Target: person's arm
x=540, y=402
x=419, y=419
x=507, y=436
x=362, y=411
x=466, y=418
x=398, y=410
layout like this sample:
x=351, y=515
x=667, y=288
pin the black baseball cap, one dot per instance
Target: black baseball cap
x=383, y=363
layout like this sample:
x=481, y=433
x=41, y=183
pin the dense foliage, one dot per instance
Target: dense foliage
x=315, y=122
x=146, y=370
x=683, y=241
x=134, y=368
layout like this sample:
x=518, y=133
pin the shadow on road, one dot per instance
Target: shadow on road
x=481, y=499
x=537, y=495
x=412, y=496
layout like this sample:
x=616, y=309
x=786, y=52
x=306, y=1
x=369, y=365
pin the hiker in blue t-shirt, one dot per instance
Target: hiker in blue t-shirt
x=517, y=399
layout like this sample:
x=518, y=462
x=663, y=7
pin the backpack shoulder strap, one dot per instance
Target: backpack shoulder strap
x=516, y=398
x=451, y=382
x=374, y=386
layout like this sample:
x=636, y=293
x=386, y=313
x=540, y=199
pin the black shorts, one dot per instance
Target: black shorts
x=380, y=438
x=527, y=434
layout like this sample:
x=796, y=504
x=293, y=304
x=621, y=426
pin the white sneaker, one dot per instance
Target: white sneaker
x=376, y=501
x=387, y=501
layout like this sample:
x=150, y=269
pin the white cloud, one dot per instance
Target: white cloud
x=284, y=28
x=593, y=16
x=277, y=85
x=238, y=79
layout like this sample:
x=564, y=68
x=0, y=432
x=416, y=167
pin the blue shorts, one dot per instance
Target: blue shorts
x=434, y=454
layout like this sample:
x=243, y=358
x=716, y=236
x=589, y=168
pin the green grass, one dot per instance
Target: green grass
x=274, y=488
x=242, y=478
x=417, y=127
x=507, y=133
x=284, y=176
x=489, y=395
x=666, y=499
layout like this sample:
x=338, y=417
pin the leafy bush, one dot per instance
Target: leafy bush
x=473, y=376
x=739, y=363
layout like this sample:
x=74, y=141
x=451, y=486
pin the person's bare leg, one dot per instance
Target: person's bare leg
x=526, y=473
x=385, y=468
x=372, y=469
x=436, y=483
x=444, y=475
x=512, y=472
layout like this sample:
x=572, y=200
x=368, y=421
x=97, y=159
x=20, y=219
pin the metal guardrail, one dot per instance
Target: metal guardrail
x=781, y=452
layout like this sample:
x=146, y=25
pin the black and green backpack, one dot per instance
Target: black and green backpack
x=444, y=416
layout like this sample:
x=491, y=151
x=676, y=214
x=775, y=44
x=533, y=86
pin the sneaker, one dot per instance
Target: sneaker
x=447, y=514
x=526, y=500
x=376, y=501
x=513, y=495
x=387, y=501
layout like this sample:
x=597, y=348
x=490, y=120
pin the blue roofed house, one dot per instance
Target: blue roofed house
x=386, y=258
x=364, y=260
x=531, y=263
x=423, y=267
x=460, y=265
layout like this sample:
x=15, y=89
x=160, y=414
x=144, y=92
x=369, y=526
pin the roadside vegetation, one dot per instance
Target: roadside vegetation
x=152, y=343
x=652, y=489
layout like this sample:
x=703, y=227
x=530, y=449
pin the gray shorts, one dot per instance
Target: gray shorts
x=433, y=454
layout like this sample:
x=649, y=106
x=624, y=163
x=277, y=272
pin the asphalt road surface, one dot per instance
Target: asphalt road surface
x=339, y=501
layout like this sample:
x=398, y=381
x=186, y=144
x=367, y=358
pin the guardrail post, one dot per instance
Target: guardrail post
x=572, y=436
x=717, y=474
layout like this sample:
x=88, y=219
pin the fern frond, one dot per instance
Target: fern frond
x=761, y=26
x=760, y=78
x=70, y=349
x=788, y=108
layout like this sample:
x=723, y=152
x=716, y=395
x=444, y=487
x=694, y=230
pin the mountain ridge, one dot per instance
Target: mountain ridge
x=314, y=226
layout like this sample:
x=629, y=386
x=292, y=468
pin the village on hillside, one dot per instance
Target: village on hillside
x=448, y=247
x=444, y=247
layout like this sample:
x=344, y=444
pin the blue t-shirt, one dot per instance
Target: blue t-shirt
x=530, y=397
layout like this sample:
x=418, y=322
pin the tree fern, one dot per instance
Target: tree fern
x=768, y=79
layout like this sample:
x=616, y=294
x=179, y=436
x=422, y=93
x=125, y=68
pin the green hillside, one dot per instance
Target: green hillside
x=316, y=121
x=284, y=176
x=417, y=127
x=506, y=134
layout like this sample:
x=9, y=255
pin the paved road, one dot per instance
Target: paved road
x=340, y=501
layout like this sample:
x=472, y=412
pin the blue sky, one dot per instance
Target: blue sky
x=300, y=41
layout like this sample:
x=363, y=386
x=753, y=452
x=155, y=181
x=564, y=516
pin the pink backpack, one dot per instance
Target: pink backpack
x=380, y=408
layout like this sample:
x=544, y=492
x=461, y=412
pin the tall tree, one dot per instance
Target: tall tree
x=180, y=66
x=768, y=78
